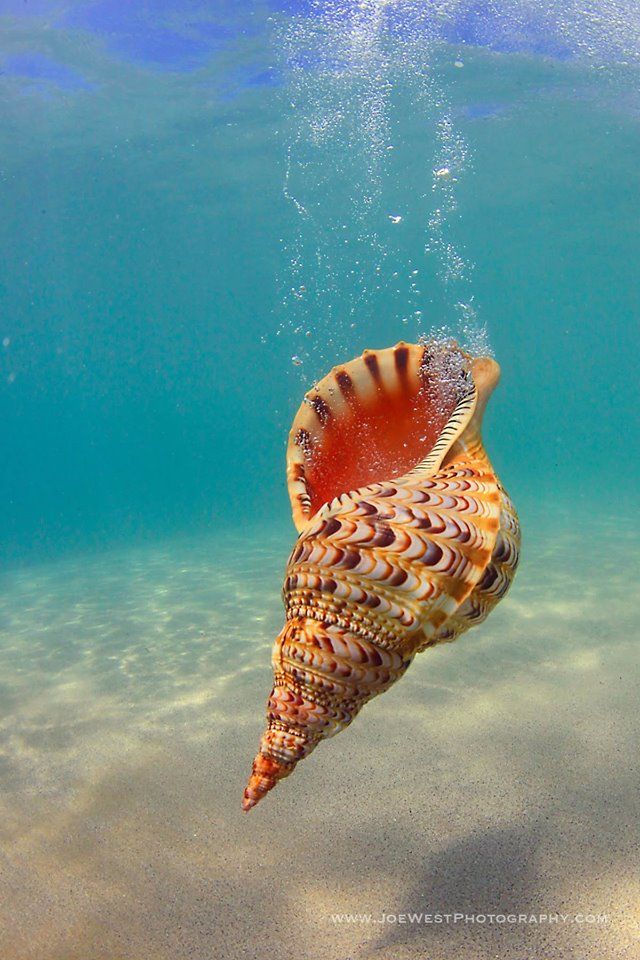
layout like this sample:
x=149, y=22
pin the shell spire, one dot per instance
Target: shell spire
x=406, y=538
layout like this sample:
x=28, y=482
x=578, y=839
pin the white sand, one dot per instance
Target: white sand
x=497, y=777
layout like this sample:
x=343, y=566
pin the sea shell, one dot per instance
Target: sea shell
x=406, y=538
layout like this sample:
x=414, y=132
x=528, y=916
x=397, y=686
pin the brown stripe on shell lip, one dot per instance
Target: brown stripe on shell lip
x=345, y=383
x=372, y=366
x=322, y=409
x=401, y=356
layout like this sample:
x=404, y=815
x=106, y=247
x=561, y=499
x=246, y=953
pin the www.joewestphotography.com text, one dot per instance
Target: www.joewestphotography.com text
x=468, y=918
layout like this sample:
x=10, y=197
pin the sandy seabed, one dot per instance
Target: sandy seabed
x=498, y=778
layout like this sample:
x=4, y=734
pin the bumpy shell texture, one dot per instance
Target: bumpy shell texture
x=406, y=538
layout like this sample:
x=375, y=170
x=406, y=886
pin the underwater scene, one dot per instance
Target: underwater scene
x=333, y=303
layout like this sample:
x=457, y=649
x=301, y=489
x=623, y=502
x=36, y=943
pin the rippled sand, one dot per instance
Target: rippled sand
x=498, y=777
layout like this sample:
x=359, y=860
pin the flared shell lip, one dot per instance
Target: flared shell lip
x=389, y=369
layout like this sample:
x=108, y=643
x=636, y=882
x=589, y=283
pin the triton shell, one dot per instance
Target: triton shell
x=406, y=538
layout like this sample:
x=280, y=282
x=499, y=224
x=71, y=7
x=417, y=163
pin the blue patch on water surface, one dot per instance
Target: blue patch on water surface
x=253, y=77
x=265, y=78
x=36, y=66
x=30, y=8
x=138, y=33
x=482, y=111
x=164, y=34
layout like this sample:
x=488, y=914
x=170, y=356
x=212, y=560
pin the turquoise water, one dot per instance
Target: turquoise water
x=204, y=208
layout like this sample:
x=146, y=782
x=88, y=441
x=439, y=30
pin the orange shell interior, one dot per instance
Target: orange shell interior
x=375, y=418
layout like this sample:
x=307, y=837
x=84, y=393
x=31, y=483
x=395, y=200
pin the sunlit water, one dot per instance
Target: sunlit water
x=201, y=214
